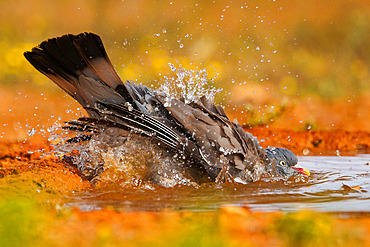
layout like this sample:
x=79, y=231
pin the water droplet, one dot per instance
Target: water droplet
x=31, y=132
x=173, y=68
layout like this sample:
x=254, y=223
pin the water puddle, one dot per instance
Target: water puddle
x=337, y=184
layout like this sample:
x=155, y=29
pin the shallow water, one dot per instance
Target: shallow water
x=327, y=189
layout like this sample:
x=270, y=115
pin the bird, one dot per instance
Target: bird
x=199, y=133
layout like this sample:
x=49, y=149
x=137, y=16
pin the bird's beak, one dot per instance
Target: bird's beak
x=301, y=170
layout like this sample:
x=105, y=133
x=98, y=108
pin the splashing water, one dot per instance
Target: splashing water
x=126, y=161
x=189, y=85
x=130, y=160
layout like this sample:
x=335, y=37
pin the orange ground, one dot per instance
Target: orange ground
x=232, y=226
x=315, y=142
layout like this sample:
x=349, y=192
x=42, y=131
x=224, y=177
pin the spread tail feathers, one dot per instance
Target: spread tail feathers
x=80, y=66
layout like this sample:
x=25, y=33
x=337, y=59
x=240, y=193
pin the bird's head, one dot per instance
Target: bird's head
x=284, y=162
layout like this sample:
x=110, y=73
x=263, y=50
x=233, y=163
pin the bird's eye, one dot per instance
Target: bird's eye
x=282, y=163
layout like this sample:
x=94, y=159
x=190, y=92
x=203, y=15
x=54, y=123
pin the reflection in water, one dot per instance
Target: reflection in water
x=327, y=189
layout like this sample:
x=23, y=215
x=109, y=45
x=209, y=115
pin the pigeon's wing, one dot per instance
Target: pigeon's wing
x=255, y=160
x=220, y=141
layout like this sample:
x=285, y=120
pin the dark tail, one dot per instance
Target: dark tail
x=80, y=66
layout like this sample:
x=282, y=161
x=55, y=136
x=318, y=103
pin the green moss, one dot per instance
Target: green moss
x=22, y=223
x=308, y=229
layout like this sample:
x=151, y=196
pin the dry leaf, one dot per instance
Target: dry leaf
x=357, y=188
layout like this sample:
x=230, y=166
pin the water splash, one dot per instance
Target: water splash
x=114, y=159
x=188, y=85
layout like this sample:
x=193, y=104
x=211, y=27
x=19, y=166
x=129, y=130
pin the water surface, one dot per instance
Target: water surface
x=327, y=189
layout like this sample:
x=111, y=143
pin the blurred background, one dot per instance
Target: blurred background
x=281, y=64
